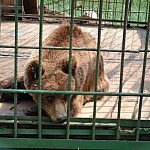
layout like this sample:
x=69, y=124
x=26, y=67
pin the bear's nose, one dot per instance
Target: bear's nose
x=62, y=119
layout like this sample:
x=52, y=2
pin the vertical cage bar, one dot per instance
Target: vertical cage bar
x=107, y=9
x=122, y=68
x=70, y=69
x=53, y=5
x=139, y=10
x=88, y=5
x=122, y=10
x=130, y=10
x=70, y=7
x=75, y=5
x=105, y=4
x=114, y=10
x=83, y=8
x=143, y=75
x=16, y=68
x=40, y=69
x=92, y=7
x=83, y=5
x=0, y=14
x=146, y=11
x=63, y=8
x=97, y=69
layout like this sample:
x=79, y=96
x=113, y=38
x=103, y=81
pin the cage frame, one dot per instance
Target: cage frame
x=140, y=126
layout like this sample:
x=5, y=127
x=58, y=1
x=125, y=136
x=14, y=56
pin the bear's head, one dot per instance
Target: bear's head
x=54, y=78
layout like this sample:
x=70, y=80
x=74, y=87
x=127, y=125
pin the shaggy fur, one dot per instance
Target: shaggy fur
x=55, y=72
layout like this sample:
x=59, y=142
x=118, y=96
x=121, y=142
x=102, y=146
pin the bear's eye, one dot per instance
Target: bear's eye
x=51, y=99
x=65, y=97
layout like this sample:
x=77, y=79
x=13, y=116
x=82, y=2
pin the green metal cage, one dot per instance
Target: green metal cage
x=113, y=11
x=37, y=132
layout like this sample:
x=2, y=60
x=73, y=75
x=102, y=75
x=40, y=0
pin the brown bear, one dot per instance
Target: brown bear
x=55, y=72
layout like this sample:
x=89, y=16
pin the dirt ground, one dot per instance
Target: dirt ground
x=111, y=39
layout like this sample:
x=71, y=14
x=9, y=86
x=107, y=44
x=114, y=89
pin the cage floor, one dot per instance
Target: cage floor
x=111, y=39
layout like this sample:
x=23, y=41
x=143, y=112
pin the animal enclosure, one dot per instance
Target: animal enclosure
x=119, y=121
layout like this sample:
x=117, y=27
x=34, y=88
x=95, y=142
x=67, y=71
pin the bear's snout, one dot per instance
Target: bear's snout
x=61, y=120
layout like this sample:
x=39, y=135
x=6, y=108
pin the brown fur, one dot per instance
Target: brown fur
x=55, y=72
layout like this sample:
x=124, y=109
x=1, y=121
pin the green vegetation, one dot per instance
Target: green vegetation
x=112, y=9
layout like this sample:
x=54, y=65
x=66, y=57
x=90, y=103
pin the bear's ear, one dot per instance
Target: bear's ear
x=32, y=69
x=65, y=65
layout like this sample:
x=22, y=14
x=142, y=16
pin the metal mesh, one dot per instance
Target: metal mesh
x=82, y=133
x=112, y=11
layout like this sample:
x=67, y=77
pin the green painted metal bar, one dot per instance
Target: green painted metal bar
x=63, y=6
x=82, y=125
x=0, y=16
x=83, y=3
x=70, y=69
x=92, y=7
x=16, y=68
x=130, y=10
x=108, y=18
x=146, y=11
x=143, y=74
x=73, y=144
x=114, y=10
x=75, y=132
x=122, y=67
x=40, y=69
x=61, y=132
x=74, y=48
x=97, y=69
x=139, y=10
x=107, y=8
x=74, y=92
x=31, y=120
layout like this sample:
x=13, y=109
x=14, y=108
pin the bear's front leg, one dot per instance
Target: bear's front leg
x=76, y=105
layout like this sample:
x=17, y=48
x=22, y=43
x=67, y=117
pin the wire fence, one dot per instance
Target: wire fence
x=81, y=133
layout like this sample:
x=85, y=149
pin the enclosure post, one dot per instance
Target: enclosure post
x=143, y=75
x=16, y=68
x=122, y=68
x=70, y=69
x=0, y=14
x=97, y=69
x=40, y=69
